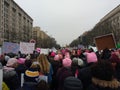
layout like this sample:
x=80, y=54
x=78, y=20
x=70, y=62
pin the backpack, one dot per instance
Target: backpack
x=72, y=83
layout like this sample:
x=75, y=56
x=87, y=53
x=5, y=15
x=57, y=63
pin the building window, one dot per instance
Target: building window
x=14, y=10
x=6, y=4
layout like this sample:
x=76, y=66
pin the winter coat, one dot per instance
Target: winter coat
x=98, y=84
x=29, y=86
x=20, y=69
x=72, y=83
x=10, y=77
x=31, y=75
x=62, y=73
x=85, y=76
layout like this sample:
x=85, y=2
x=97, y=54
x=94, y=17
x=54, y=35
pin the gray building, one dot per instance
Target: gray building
x=15, y=24
x=110, y=23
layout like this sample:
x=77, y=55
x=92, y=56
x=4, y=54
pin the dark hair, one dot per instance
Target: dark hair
x=91, y=50
x=28, y=63
x=102, y=70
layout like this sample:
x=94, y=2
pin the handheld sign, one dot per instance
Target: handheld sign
x=27, y=48
x=105, y=41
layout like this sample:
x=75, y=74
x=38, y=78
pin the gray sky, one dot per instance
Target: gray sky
x=65, y=20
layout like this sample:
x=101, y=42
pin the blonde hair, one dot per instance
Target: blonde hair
x=44, y=63
x=36, y=65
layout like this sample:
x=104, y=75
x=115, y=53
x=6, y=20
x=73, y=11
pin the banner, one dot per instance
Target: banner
x=94, y=48
x=44, y=51
x=27, y=48
x=9, y=47
x=105, y=41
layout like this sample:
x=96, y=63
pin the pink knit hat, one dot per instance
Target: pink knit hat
x=21, y=60
x=38, y=50
x=66, y=62
x=52, y=54
x=11, y=62
x=56, y=58
x=91, y=57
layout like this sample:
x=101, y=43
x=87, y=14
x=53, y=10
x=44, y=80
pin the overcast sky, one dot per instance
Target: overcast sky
x=65, y=20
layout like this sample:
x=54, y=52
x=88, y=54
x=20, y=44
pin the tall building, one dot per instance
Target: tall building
x=39, y=35
x=110, y=23
x=15, y=24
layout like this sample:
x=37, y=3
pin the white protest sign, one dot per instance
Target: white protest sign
x=27, y=48
x=44, y=51
x=54, y=49
x=94, y=48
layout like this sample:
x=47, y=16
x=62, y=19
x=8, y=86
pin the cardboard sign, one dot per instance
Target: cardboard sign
x=105, y=41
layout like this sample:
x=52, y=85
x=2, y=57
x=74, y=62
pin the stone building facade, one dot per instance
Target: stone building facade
x=15, y=24
x=39, y=35
x=110, y=23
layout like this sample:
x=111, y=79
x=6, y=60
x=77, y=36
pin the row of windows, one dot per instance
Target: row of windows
x=6, y=13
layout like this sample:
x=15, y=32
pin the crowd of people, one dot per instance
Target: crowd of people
x=65, y=69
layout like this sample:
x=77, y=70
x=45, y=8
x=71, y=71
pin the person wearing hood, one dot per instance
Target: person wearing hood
x=103, y=77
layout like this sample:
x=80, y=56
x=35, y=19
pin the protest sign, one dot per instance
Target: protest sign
x=27, y=48
x=44, y=51
x=105, y=41
x=9, y=47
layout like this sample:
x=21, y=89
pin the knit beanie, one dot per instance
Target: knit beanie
x=38, y=50
x=66, y=62
x=91, y=57
x=11, y=62
x=21, y=60
x=78, y=61
x=52, y=54
x=72, y=83
x=7, y=58
x=56, y=58
x=31, y=75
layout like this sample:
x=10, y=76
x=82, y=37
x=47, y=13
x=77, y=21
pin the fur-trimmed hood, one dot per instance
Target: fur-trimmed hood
x=103, y=83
